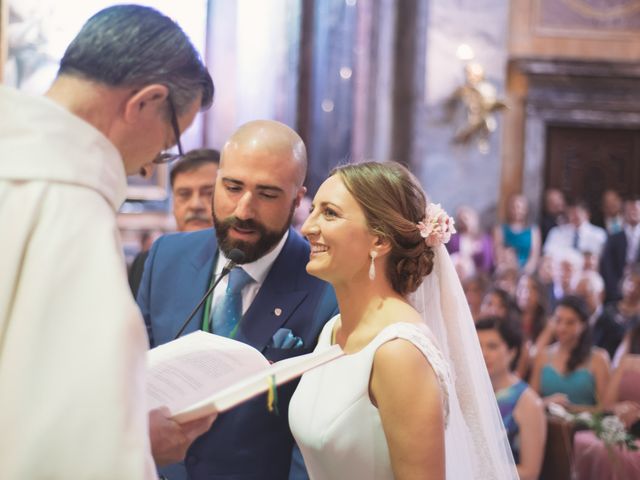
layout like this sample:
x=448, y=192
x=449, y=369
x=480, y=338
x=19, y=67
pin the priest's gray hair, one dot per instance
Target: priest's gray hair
x=135, y=46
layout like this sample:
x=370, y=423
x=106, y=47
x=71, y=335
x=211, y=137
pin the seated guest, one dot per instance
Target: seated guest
x=506, y=278
x=567, y=267
x=521, y=408
x=578, y=233
x=606, y=328
x=621, y=250
x=611, y=211
x=571, y=372
x=532, y=301
x=465, y=268
x=499, y=303
x=470, y=241
x=545, y=273
x=627, y=309
x=553, y=211
x=594, y=460
x=192, y=179
x=591, y=261
x=475, y=288
x=518, y=234
x=629, y=304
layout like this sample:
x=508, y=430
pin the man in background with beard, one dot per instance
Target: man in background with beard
x=258, y=186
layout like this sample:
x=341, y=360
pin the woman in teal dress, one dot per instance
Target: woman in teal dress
x=571, y=372
x=521, y=409
x=517, y=239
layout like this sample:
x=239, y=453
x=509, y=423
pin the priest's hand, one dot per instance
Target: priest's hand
x=170, y=439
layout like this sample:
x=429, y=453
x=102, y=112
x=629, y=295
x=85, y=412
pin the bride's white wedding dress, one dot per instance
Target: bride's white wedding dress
x=340, y=432
x=337, y=427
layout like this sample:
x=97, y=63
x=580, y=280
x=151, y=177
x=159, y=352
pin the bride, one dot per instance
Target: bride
x=411, y=398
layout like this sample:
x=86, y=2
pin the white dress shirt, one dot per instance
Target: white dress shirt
x=590, y=238
x=613, y=224
x=258, y=270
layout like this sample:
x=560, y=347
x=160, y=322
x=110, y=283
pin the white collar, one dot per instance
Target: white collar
x=259, y=268
x=75, y=151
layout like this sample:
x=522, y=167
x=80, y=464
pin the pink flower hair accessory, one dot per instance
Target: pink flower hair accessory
x=437, y=227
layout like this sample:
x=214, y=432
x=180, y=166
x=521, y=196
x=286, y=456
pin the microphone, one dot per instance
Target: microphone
x=236, y=257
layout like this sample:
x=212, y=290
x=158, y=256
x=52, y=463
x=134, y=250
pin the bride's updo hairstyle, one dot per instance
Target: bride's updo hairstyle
x=393, y=203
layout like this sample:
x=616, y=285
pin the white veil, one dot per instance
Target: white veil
x=475, y=427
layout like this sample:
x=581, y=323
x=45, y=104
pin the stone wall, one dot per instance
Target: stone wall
x=460, y=174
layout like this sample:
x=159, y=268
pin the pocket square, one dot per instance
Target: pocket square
x=284, y=338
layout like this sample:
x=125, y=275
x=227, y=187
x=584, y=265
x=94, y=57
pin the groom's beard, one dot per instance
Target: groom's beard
x=267, y=238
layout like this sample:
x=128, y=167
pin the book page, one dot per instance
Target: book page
x=257, y=383
x=193, y=367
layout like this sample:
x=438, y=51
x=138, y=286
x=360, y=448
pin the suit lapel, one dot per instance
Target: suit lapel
x=277, y=299
x=202, y=263
x=206, y=254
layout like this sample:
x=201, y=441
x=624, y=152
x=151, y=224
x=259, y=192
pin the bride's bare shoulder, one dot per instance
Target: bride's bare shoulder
x=399, y=363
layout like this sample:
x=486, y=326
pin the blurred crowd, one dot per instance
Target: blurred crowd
x=557, y=308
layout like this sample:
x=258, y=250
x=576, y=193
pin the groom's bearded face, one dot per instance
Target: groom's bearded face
x=251, y=236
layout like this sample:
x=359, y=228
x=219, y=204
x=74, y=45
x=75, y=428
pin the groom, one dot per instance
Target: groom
x=258, y=186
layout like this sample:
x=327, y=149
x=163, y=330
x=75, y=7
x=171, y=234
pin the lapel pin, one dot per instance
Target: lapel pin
x=278, y=312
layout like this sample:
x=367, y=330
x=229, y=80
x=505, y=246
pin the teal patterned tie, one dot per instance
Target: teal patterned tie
x=227, y=312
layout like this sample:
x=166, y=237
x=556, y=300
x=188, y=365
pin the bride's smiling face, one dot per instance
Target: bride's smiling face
x=339, y=236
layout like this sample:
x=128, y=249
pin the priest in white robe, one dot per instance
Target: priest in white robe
x=72, y=341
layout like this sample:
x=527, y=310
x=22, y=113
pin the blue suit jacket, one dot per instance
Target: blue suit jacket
x=612, y=263
x=247, y=442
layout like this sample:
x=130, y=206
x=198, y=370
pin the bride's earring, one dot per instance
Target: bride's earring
x=372, y=268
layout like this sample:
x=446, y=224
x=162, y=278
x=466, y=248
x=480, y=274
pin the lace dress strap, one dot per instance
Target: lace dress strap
x=419, y=336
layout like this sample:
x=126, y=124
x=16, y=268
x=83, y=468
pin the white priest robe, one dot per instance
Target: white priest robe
x=72, y=341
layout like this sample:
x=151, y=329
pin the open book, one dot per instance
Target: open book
x=202, y=373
